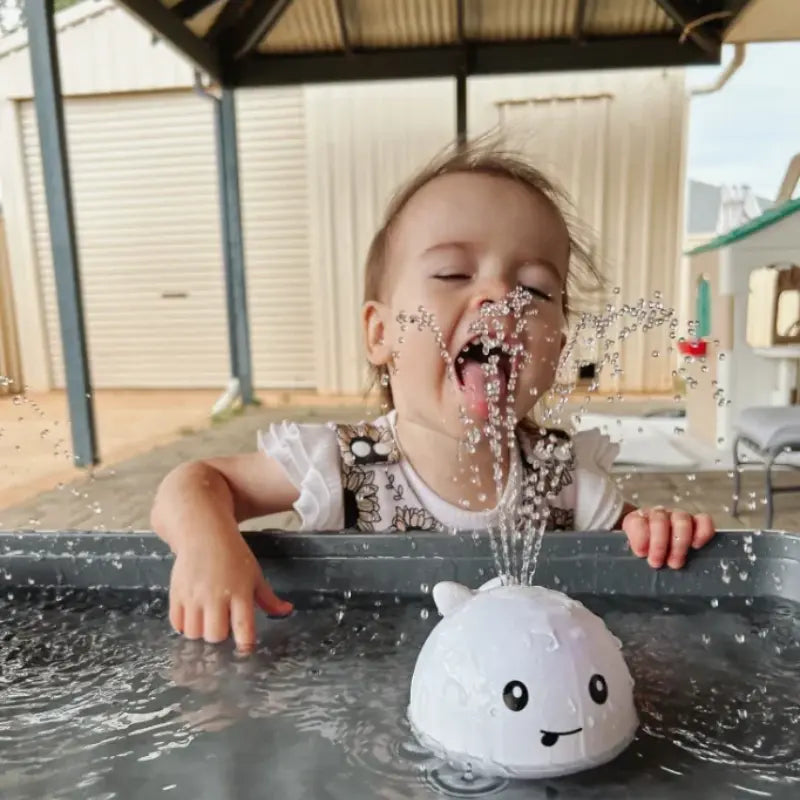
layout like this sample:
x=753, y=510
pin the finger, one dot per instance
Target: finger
x=193, y=621
x=703, y=530
x=659, y=538
x=216, y=618
x=681, y=540
x=637, y=530
x=270, y=602
x=176, y=616
x=243, y=622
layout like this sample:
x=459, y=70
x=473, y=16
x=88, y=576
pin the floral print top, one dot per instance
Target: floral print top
x=378, y=498
x=354, y=477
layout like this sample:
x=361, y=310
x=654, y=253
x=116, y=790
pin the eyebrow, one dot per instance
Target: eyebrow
x=446, y=246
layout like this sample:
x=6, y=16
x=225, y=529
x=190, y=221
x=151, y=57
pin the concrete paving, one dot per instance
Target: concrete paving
x=118, y=497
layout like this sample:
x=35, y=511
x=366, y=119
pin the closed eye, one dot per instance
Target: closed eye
x=540, y=293
x=455, y=276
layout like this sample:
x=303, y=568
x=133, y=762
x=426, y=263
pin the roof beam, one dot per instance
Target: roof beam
x=683, y=12
x=226, y=19
x=580, y=21
x=485, y=59
x=170, y=27
x=186, y=9
x=255, y=24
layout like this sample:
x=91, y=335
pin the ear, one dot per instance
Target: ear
x=450, y=596
x=373, y=318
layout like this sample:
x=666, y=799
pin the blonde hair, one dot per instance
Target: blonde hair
x=478, y=159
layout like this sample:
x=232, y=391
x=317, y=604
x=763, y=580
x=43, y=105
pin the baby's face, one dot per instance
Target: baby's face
x=465, y=240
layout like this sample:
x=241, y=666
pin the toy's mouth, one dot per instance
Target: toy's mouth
x=549, y=738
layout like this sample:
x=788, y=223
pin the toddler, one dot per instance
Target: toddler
x=472, y=230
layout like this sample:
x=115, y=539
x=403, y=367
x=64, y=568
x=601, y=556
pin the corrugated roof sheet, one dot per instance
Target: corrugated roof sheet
x=626, y=17
x=402, y=23
x=516, y=19
x=306, y=25
x=313, y=25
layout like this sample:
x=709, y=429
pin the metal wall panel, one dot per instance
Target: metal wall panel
x=274, y=188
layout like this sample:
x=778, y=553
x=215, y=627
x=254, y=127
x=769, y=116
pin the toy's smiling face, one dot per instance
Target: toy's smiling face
x=521, y=681
x=516, y=696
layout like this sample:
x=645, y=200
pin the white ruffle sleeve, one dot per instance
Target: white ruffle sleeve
x=309, y=454
x=593, y=495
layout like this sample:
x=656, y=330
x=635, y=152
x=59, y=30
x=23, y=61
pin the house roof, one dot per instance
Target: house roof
x=703, y=207
x=263, y=42
x=769, y=217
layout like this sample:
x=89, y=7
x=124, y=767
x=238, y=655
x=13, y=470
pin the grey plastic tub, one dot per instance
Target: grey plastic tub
x=318, y=710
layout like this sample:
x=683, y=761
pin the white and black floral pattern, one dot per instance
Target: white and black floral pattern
x=367, y=444
x=414, y=519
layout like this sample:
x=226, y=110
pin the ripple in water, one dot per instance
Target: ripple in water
x=100, y=699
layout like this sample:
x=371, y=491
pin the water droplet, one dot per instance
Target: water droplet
x=740, y=637
x=424, y=588
x=714, y=602
x=424, y=614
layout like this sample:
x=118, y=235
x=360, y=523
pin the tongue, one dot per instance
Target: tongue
x=475, y=383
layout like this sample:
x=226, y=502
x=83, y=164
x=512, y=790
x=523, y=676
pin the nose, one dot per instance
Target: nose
x=491, y=290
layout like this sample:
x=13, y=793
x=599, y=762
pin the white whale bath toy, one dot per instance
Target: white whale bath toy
x=521, y=682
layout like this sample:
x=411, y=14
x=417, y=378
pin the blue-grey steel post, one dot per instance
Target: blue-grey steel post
x=53, y=142
x=233, y=244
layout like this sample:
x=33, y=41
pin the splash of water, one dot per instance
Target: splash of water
x=524, y=493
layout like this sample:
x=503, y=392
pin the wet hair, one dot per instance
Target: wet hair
x=479, y=158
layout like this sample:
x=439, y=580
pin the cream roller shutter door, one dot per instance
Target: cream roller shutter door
x=145, y=193
x=274, y=189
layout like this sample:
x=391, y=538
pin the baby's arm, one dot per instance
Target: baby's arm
x=216, y=581
x=663, y=536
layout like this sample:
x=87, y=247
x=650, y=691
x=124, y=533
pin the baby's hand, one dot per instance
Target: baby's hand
x=214, y=587
x=666, y=536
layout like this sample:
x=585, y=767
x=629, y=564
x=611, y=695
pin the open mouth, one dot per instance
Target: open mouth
x=549, y=738
x=474, y=355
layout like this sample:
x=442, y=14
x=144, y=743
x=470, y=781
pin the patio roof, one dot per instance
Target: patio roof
x=269, y=42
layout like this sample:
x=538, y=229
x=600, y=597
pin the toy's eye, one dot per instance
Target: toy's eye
x=515, y=695
x=598, y=689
